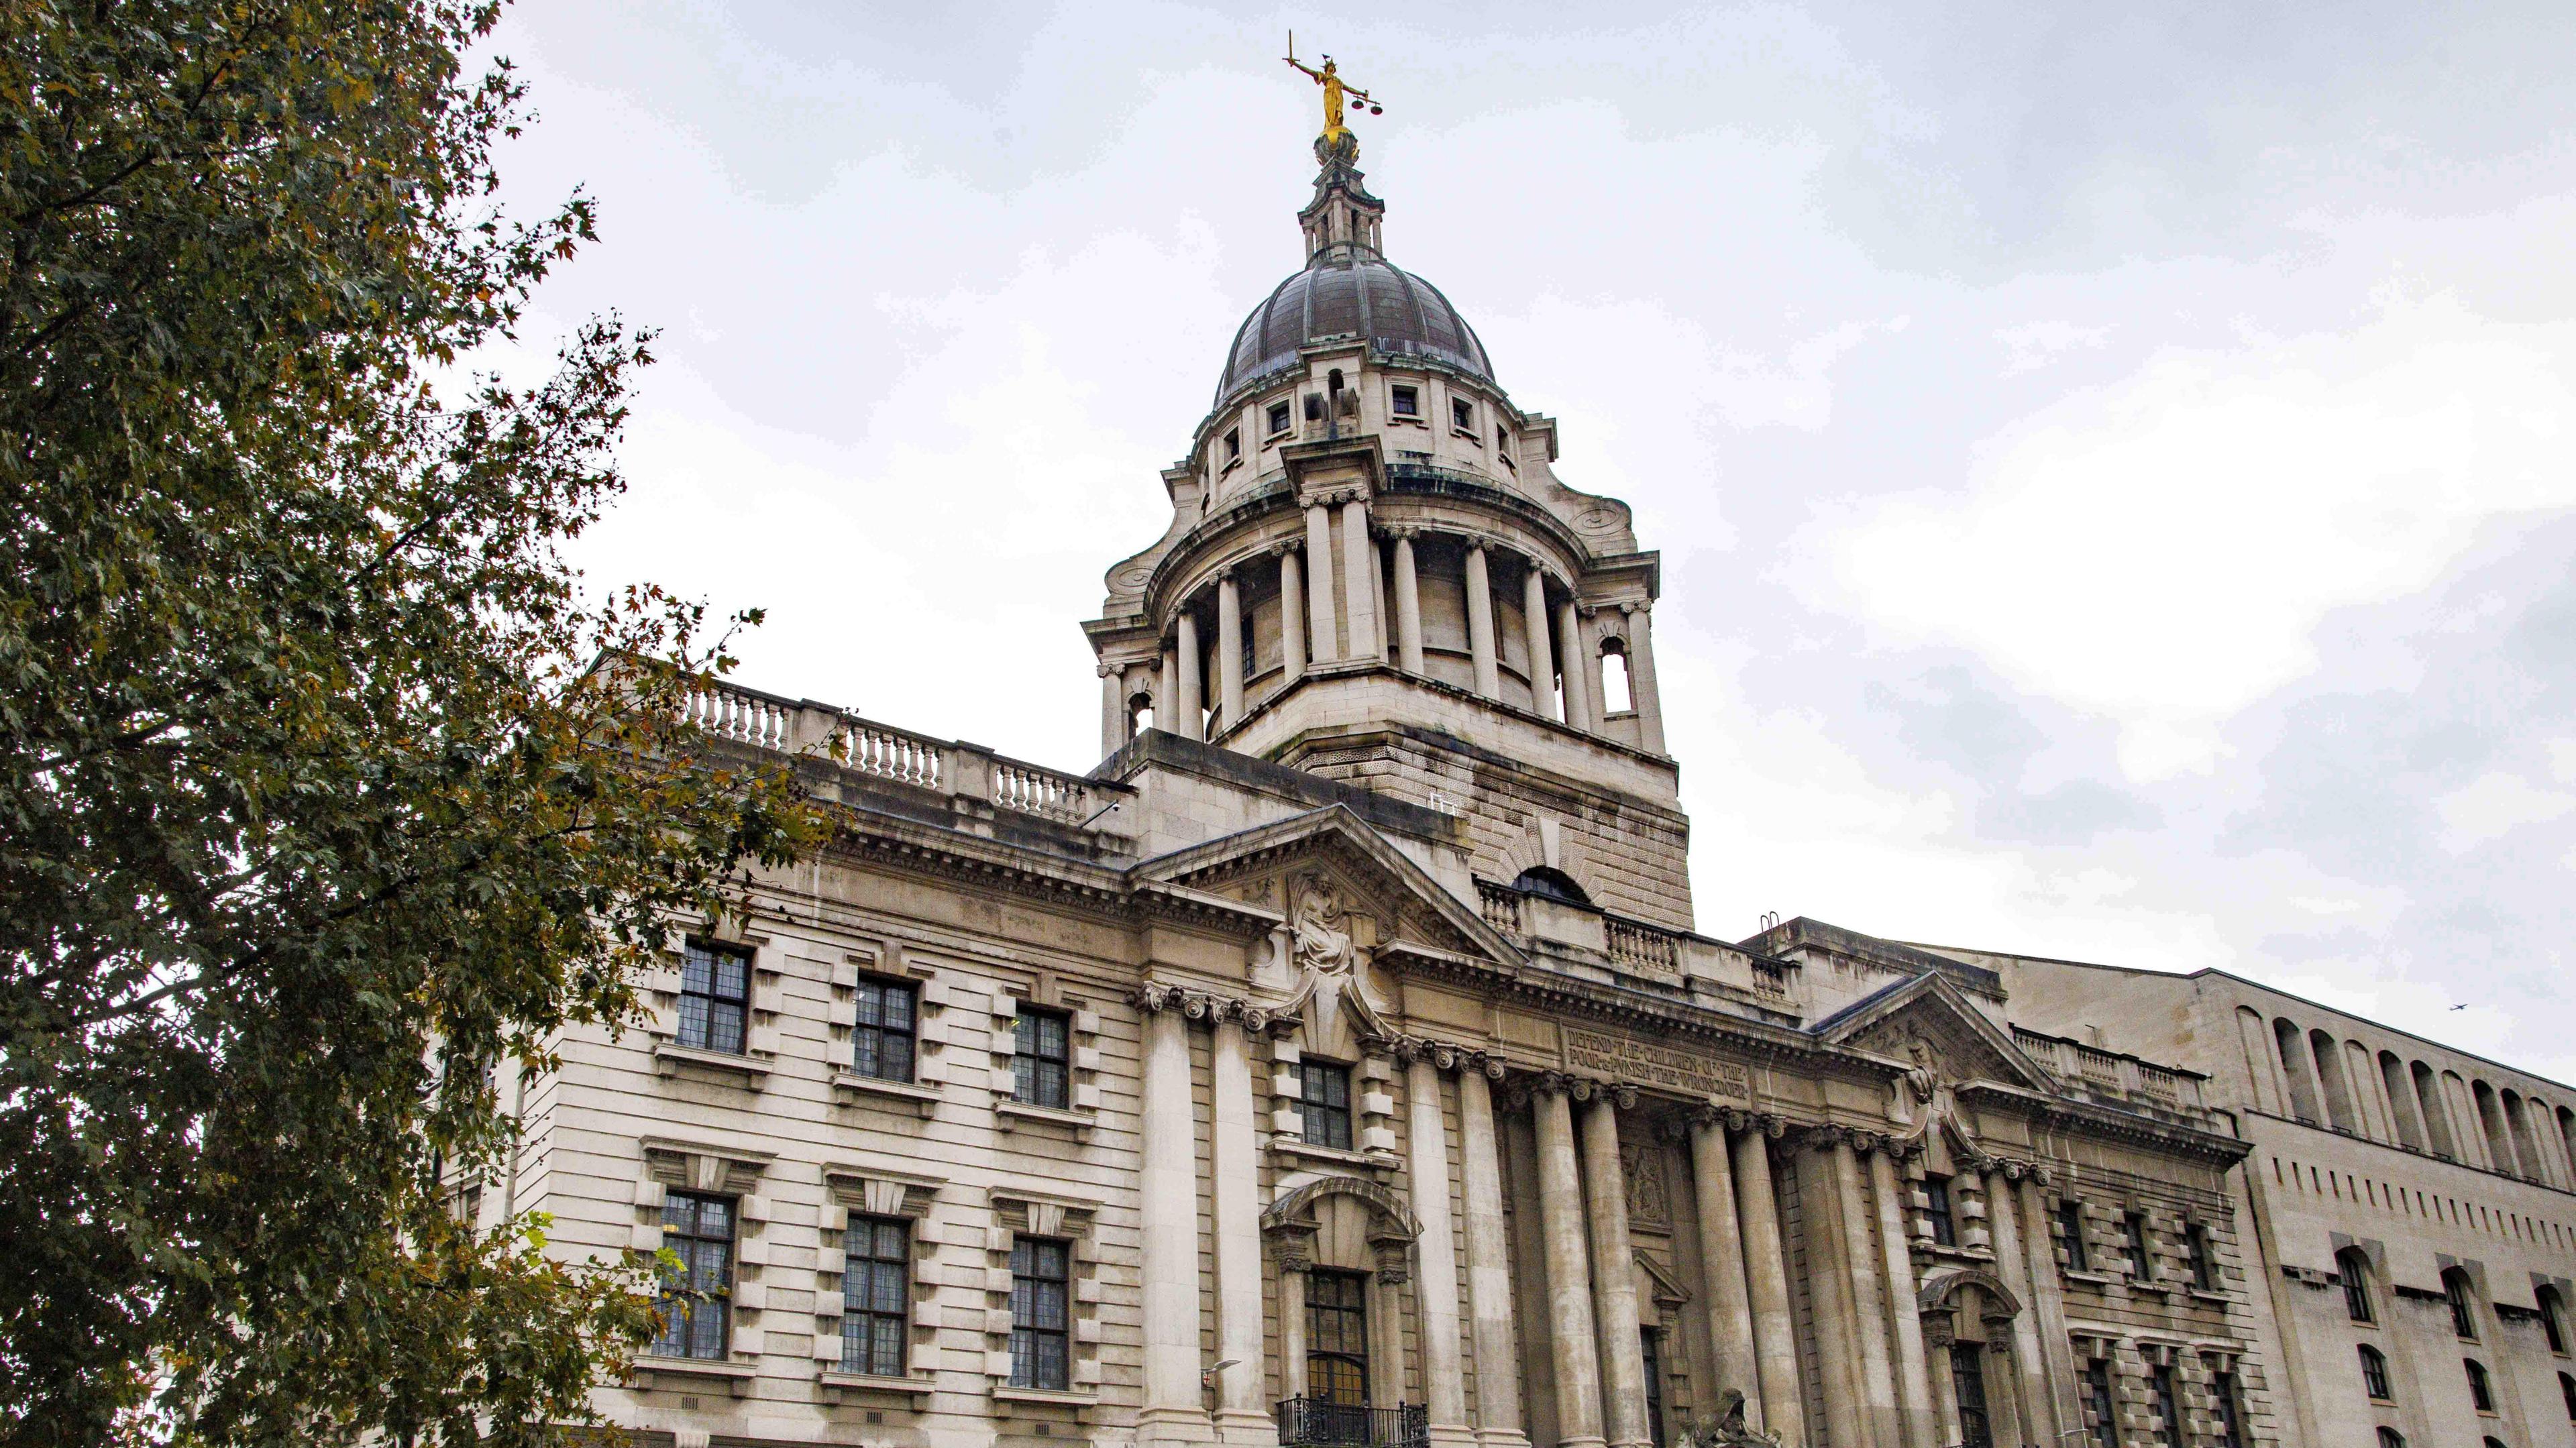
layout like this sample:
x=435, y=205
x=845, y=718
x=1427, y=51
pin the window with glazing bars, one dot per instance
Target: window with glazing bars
x=2100, y=1411
x=2455, y=1288
x=2356, y=1288
x=2481, y=1392
x=1277, y=417
x=2567, y=1394
x=2204, y=1264
x=2374, y=1373
x=715, y=995
x=2141, y=1266
x=1936, y=1192
x=1042, y=1058
x=2168, y=1408
x=1337, y=1337
x=1327, y=1101
x=1462, y=414
x=1041, y=1313
x=875, y=1295
x=2231, y=1416
x=699, y=1231
x=881, y=1044
x=2069, y=1226
x=1405, y=401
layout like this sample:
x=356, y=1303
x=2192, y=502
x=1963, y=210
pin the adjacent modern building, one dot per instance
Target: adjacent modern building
x=1337, y=1062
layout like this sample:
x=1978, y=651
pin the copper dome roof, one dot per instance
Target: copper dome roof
x=1352, y=291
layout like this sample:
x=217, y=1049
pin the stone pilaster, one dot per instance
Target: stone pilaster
x=1862, y=1262
x=1241, y=1416
x=1573, y=1344
x=1359, y=582
x=2013, y=1266
x=1847, y=1418
x=1914, y=1410
x=1324, y=640
x=2048, y=1299
x=1641, y=678
x=1167, y=1217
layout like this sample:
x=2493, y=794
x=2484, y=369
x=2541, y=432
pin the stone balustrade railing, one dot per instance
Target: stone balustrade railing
x=1500, y=905
x=2111, y=1074
x=1774, y=979
x=1643, y=948
x=881, y=751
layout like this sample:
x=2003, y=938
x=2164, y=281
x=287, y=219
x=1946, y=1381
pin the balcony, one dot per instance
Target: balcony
x=1314, y=1423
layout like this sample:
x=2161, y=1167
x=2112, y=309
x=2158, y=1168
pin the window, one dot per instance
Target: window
x=1234, y=444
x=2231, y=1417
x=2391, y=1438
x=2353, y=1268
x=881, y=1044
x=1968, y=1390
x=2481, y=1392
x=715, y=995
x=2069, y=1225
x=2204, y=1263
x=1554, y=884
x=1041, y=1058
x=875, y=1286
x=1502, y=442
x=1327, y=1099
x=2100, y=1415
x=1616, y=697
x=2168, y=1409
x=1650, y=1344
x=2464, y=1321
x=2567, y=1395
x=1462, y=415
x=1278, y=418
x=1405, y=401
x=699, y=1231
x=2374, y=1374
x=1041, y=1313
x=1936, y=1192
x=1337, y=1337
x=2141, y=1265
x=2553, y=1320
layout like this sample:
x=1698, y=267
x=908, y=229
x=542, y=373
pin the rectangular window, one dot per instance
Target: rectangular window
x=2141, y=1265
x=2168, y=1408
x=1233, y=444
x=2069, y=1225
x=1337, y=1337
x=699, y=1231
x=1327, y=1099
x=1936, y=1191
x=1041, y=1314
x=1278, y=418
x=715, y=996
x=1502, y=442
x=2455, y=1287
x=2101, y=1415
x=1405, y=401
x=1462, y=414
x=881, y=1044
x=1042, y=1059
x=2204, y=1263
x=2374, y=1373
x=2231, y=1416
x=2481, y=1392
x=875, y=1295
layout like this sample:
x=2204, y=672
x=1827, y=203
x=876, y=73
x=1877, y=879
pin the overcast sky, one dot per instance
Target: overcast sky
x=2112, y=471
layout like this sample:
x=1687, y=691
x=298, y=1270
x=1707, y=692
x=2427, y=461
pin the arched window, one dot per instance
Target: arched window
x=1552, y=883
x=2374, y=1374
x=1615, y=696
x=2481, y=1392
x=1140, y=714
x=2553, y=1319
x=2567, y=1394
x=2464, y=1317
x=2391, y=1438
x=2354, y=1268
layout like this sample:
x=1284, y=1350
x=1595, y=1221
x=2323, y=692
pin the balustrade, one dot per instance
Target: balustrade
x=1643, y=948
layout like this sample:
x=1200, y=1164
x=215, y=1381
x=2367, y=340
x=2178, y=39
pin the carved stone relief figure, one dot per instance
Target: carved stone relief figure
x=1649, y=1202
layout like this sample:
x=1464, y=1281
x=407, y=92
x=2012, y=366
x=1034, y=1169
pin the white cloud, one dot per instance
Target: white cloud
x=2034, y=345
x=2160, y=551
x=2494, y=805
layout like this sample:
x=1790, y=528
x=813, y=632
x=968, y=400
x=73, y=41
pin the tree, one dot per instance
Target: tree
x=316, y=828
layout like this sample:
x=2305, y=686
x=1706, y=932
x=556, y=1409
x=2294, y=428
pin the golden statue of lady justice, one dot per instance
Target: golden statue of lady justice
x=1334, y=89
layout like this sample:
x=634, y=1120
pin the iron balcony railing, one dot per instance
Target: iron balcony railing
x=1314, y=1423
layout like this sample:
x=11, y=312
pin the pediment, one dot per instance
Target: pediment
x=1947, y=1040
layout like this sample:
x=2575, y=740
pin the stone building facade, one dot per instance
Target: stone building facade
x=1336, y=1063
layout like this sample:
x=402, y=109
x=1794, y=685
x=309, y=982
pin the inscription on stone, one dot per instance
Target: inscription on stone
x=1644, y=1063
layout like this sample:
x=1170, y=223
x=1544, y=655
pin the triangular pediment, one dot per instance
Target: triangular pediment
x=1926, y=1021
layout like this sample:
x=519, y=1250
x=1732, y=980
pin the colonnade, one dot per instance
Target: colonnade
x=1363, y=615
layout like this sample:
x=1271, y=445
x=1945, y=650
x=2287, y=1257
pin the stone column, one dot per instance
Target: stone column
x=1294, y=1263
x=1229, y=652
x=1578, y=689
x=1113, y=709
x=1192, y=723
x=1168, y=1210
x=1641, y=680
x=1480, y=623
x=1730, y=1313
x=1945, y=1389
x=1167, y=717
x=1359, y=581
x=1240, y=1418
x=2013, y=1266
x=1572, y=1341
x=1324, y=640
x=1435, y=1280
x=1614, y=1277
x=1766, y=1281
x=1489, y=1267
x=1913, y=1373
x=1869, y=1298
x=1408, y=606
x=1542, y=658
x=2048, y=1299
x=1830, y=1300
x=1292, y=617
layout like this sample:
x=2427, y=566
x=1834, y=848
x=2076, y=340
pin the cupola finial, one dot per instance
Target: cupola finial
x=1336, y=137
x=1343, y=217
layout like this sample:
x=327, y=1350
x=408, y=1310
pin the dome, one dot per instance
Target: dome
x=1350, y=290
